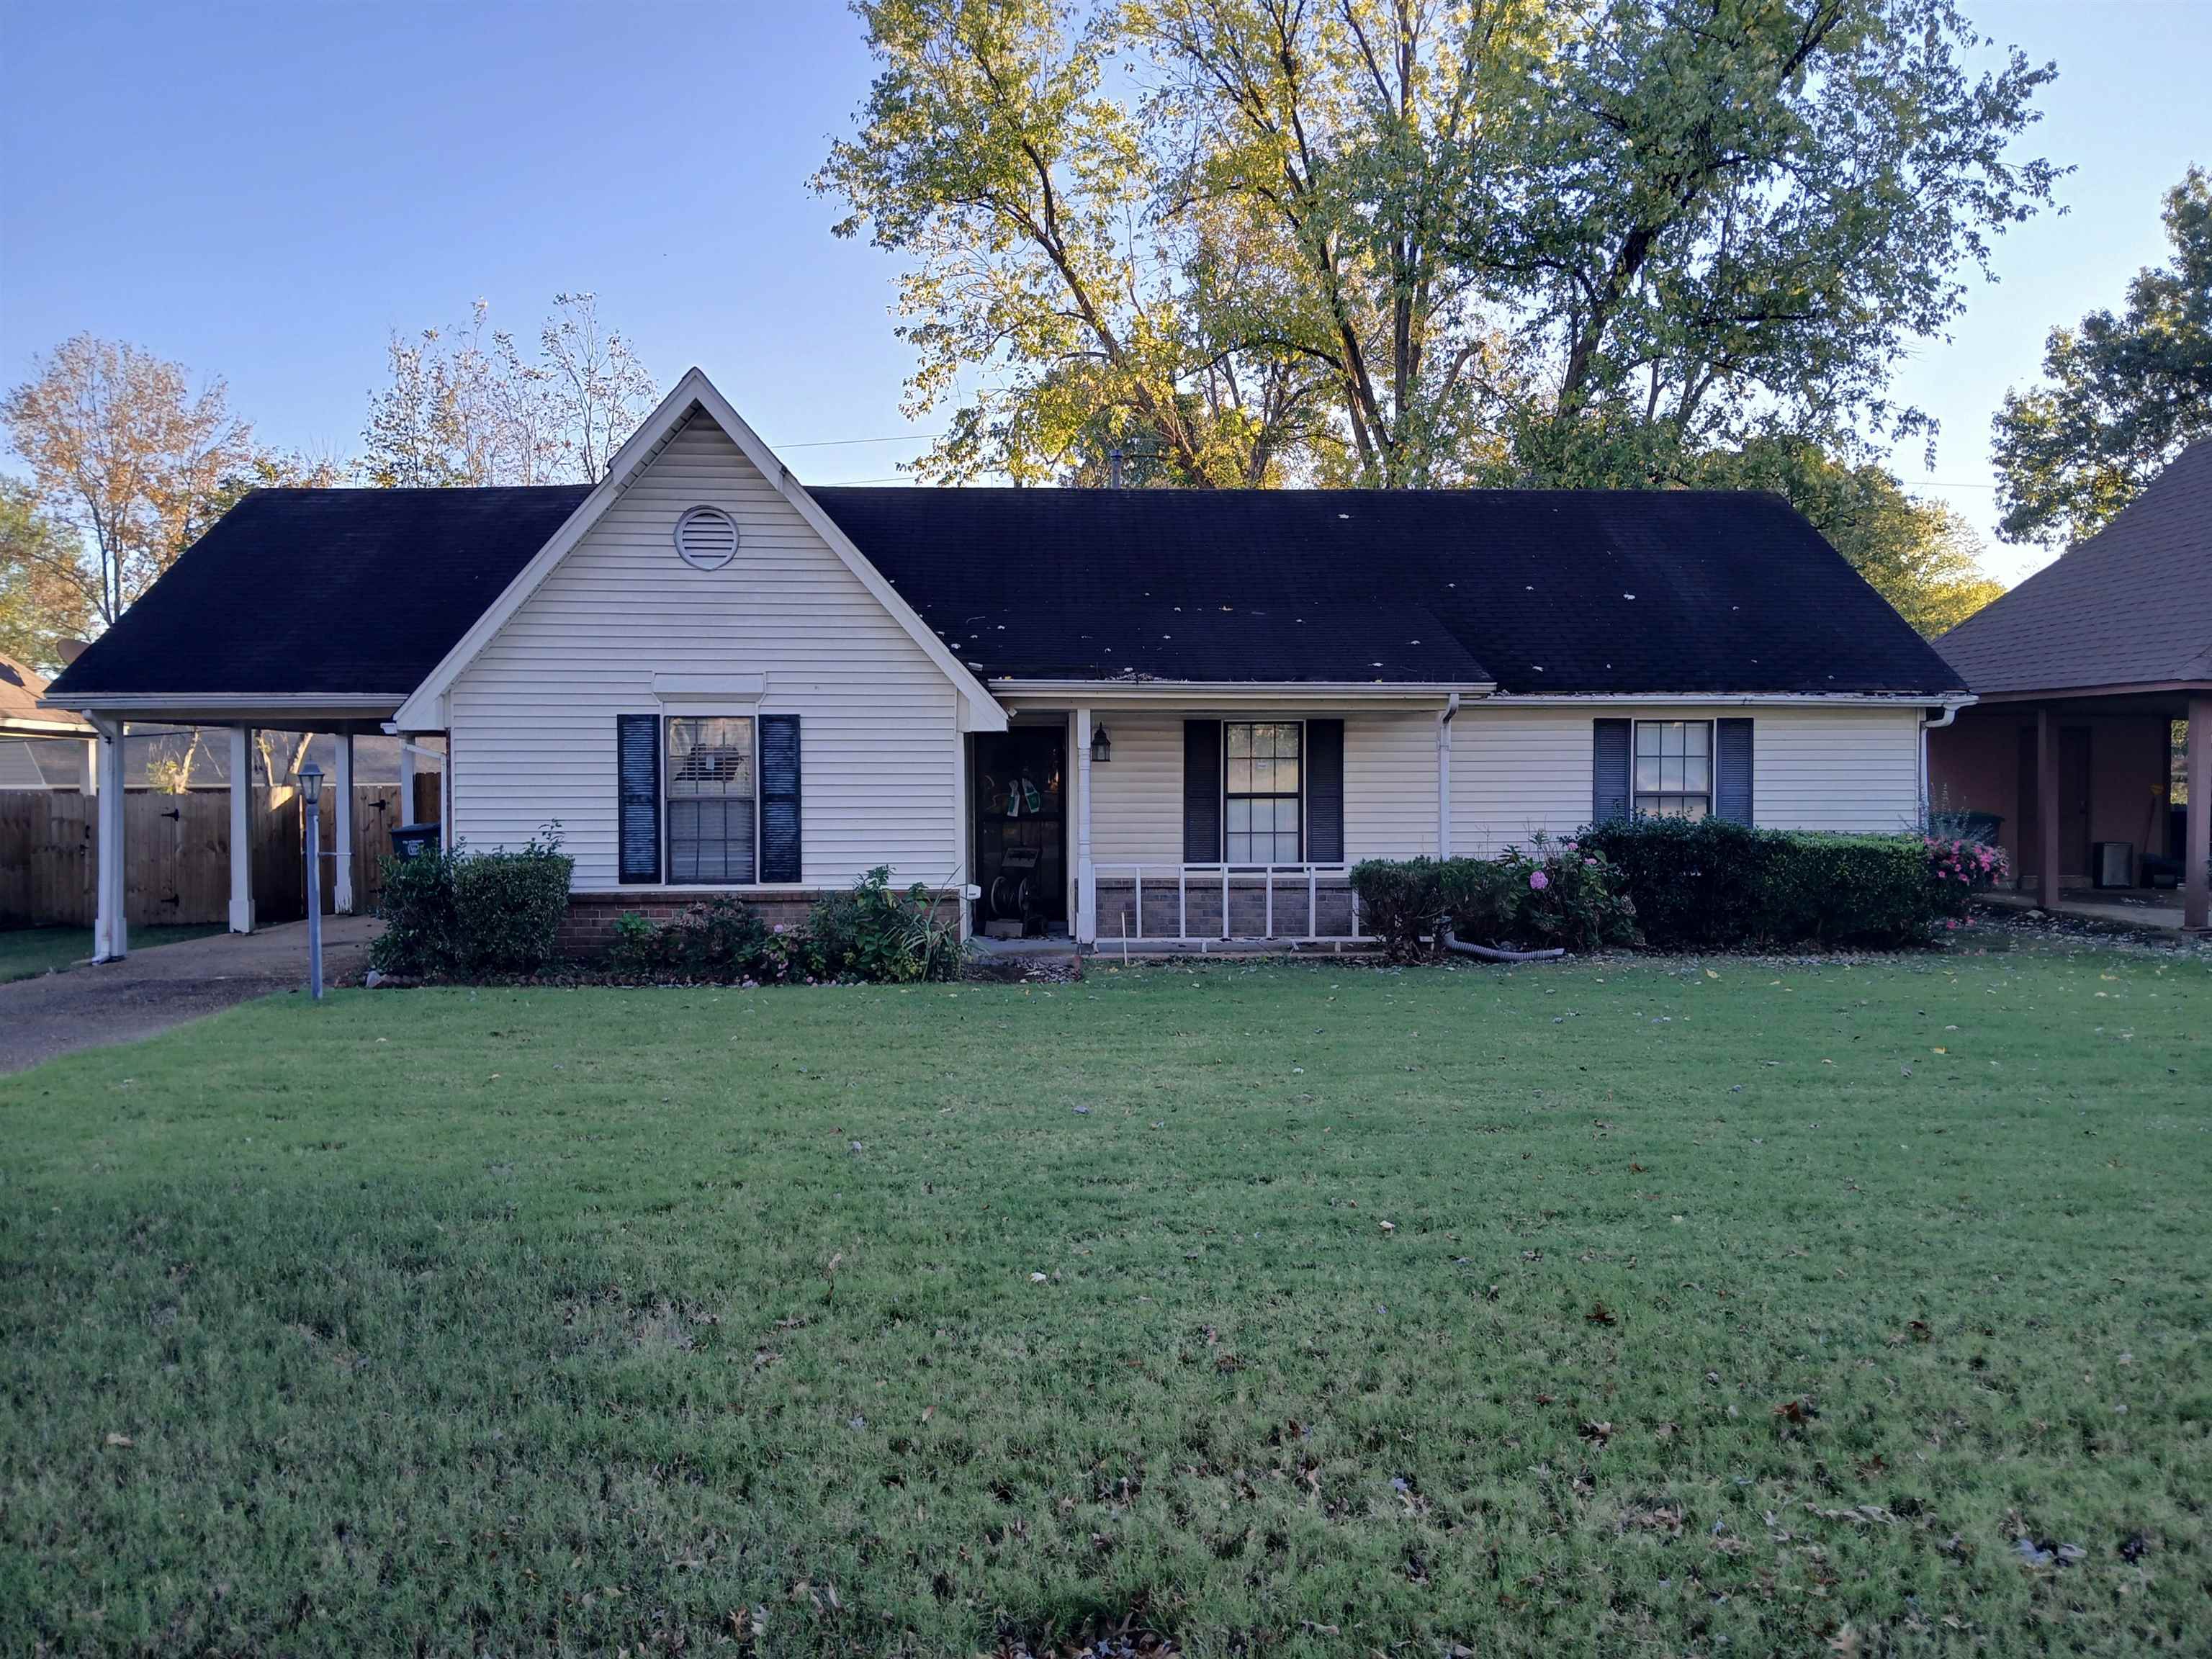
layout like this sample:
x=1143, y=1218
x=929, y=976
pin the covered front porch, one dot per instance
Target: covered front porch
x=1172, y=820
x=2095, y=805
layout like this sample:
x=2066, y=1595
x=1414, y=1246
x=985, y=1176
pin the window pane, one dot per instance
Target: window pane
x=1286, y=814
x=1240, y=814
x=1647, y=736
x=1240, y=850
x=1240, y=777
x=1240, y=742
x=1263, y=776
x=1696, y=773
x=1670, y=772
x=1647, y=771
x=1695, y=736
x=710, y=799
x=1286, y=775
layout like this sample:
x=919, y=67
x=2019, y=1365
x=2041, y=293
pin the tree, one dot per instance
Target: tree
x=2123, y=395
x=123, y=456
x=1404, y=242
x=42, y=596
x=468, y=406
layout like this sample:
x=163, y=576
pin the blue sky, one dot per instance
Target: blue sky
x=266, y=192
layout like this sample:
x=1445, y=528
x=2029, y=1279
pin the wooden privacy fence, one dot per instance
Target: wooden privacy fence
x=177, y=849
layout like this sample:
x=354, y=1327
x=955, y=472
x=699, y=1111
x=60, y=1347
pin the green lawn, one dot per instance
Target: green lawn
x=25, y=951
x=1627, y=1309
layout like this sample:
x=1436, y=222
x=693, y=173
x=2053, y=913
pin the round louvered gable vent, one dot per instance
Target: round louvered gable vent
x=707, y=537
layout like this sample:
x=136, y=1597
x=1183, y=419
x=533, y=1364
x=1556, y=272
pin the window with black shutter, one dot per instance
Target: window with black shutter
x=637, y=783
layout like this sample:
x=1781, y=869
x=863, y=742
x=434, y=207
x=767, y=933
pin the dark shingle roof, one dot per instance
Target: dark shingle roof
x=2132, y=605
x=365, y=591
x=335, y=591
x=1561, y=592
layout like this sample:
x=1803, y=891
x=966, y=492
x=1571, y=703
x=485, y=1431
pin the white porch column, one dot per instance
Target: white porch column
x=1086, y=884
x=445, y=794
x=341, y=826
x=1443, y=776
x=241, y=830
x=92, y=766
x=2197, y=830
x=406, y=779
x=111, y=933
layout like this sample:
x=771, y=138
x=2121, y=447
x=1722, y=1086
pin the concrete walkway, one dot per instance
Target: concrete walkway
x=2148, y=912
x=149, y=991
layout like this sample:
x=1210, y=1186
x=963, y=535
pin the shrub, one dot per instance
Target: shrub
x=1553, y=894
x=874, y=933
x=1400, y=901
x=463, y=915
x=1714, y=883
x=421, y=937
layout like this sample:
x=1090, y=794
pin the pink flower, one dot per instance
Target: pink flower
x=1537, y=881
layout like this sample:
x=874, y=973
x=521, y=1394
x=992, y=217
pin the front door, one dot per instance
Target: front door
x=1017, y=785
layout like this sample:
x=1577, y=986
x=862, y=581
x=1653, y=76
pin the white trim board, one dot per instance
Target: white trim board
x=424, y=708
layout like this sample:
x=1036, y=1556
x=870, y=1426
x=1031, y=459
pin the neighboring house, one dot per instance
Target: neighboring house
x=40, y=748
x=716, y=680
x=2081, y=673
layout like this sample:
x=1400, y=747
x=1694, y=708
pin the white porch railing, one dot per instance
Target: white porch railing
x=1287, y=901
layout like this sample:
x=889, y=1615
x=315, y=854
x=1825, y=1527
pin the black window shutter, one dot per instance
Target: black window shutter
x=637, y=779
x=780, y=840
x=1609, y=797
x=1201, y=791
x=1325, y=792
x=1732, y=770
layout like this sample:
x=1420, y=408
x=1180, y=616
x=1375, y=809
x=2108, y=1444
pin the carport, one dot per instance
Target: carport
x=2085, y=673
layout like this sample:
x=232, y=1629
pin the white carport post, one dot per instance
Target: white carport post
x=241, y=830
x=406, y=779
x=1086, y=884
x=341, y=826
x=111, y=934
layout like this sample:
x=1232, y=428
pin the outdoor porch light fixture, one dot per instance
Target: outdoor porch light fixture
x=311, y=783
x=1101, y=746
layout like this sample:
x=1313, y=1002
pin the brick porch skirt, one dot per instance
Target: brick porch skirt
x=589, y=926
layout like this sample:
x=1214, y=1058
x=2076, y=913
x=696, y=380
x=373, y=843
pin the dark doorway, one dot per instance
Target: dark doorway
x=1017, y=782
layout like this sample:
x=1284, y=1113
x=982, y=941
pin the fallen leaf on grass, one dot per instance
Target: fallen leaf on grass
x=1600, y=1315
x=122, y=1440
x=1596, y=1433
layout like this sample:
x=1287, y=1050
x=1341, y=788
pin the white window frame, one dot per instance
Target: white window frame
x=749, y=712
x=1636, y=795
x=1304, y=841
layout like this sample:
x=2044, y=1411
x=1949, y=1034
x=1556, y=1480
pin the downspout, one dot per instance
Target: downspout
x=1444, y=775
x=1927, y=806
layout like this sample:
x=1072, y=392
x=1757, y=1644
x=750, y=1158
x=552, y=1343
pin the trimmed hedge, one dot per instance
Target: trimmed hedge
x=1561, y=894
x=465, y=915
x=1714, y=884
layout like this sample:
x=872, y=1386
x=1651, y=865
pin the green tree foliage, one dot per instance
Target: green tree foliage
x=1418, y=242
x=2122, y=395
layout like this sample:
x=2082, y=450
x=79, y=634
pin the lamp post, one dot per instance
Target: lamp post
x=310, y=792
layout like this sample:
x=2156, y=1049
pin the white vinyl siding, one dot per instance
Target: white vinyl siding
x=1515, y=770
x=1136, y=798
x=1390, y=785
x=533, y=715
x=1389, y=788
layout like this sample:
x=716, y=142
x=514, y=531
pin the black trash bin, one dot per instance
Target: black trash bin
x=411, y=841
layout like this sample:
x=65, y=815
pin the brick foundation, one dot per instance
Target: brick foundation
x=589, y=926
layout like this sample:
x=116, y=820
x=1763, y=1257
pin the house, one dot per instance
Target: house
x=1172, y=715
x=40, y=748
x=2083, y=673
